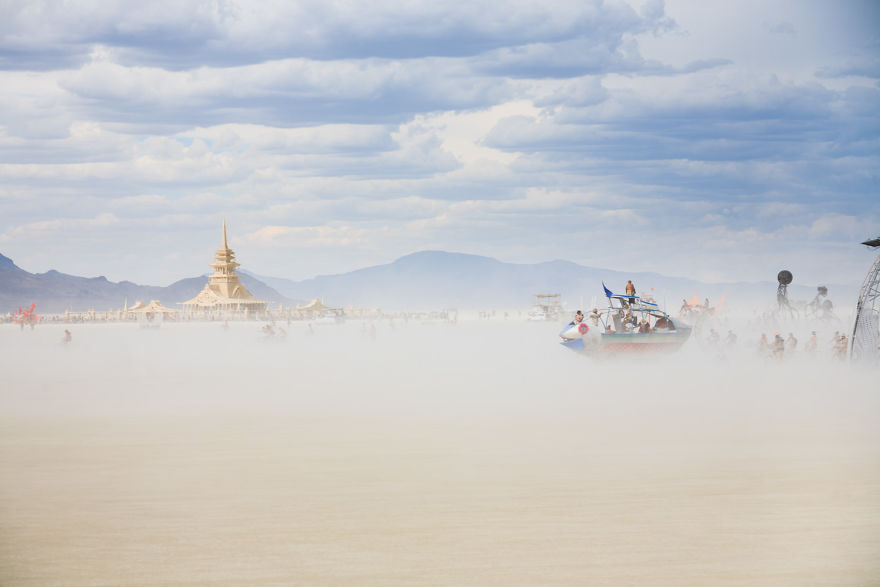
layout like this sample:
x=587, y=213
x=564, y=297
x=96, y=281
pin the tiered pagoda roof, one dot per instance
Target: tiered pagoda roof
x=224, y=291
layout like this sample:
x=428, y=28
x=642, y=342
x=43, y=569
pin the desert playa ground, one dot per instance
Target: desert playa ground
x=475, y=454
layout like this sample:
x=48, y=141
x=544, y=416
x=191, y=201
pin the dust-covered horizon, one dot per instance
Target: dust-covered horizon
x=401, y=452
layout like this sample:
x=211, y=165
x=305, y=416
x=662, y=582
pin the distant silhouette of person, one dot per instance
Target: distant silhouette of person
x=813, y=343
x=67, y=336
x=840, y=347
x=778, y=346
x=763, y=345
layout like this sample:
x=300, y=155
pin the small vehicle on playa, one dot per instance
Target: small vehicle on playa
x=628, y=324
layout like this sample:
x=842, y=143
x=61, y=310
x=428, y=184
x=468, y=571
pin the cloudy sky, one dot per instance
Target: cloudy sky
x=718, y=140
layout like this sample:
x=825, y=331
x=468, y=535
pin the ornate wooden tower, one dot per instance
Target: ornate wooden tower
x=224, y=293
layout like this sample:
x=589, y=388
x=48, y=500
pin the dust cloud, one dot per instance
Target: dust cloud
x=480, y=453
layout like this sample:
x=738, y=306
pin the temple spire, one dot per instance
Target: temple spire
x=224, y=292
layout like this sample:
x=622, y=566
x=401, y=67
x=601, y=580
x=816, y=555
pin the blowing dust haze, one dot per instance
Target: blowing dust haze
x=394, y=451
x=420, y=195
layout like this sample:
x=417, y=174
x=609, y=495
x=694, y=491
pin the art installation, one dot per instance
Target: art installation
x=866, y=334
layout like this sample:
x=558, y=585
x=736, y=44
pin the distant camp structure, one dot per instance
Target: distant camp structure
x=154, y=307
x=317, y=310
x=224, y=294
x=547, y=307
x=866, y=330
x=152, y=313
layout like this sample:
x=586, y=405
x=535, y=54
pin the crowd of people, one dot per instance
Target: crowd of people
x=780, y=347
x=631, y=318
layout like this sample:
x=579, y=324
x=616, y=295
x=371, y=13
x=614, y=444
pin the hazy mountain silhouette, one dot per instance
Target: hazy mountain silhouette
x=421, y=281
x=55, y=292
x=438, y=279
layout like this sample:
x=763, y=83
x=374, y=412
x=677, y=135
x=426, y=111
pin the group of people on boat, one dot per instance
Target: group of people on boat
x=624, y=320
x=629, y=318
x=579, y=317
x=626, y=324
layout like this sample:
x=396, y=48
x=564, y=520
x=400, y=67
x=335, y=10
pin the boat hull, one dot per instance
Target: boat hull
x=633, y=342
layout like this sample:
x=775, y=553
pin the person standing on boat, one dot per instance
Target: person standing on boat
x=631, y=291
x=594, y=316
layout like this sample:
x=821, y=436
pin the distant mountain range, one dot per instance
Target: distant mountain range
x=421, y=281
x=55, y=292
x=439, y=279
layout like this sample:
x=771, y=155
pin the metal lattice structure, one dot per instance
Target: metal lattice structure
x=866, y=330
